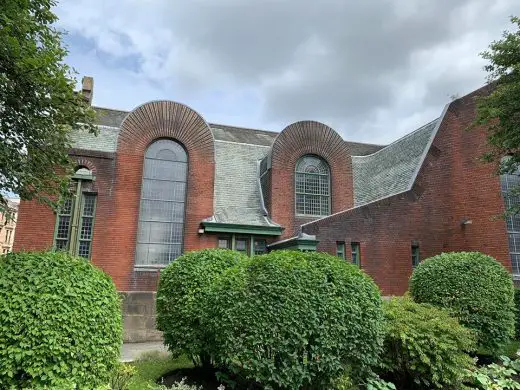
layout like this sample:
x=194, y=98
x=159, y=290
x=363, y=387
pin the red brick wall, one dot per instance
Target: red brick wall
x=452, y=184
x=295, y=141
x=118, y=185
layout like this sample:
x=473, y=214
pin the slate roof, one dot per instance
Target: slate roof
x=378, y=171
x=391, y=169
x=239, y=204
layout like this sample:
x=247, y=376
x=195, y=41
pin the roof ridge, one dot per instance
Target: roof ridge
x=241, y=127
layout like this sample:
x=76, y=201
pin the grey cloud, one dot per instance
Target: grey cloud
x=341, y=62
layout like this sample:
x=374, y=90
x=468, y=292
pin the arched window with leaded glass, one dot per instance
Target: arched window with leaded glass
x=163, y=196
x=312, y=186
x=510, y=184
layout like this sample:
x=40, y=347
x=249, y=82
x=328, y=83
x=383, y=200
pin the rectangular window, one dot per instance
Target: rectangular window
x=340, y=249
x=260, y=247
x=224, y=243
x=75, y=224
x=416, y=259
x=356, y=254
x=242, y=245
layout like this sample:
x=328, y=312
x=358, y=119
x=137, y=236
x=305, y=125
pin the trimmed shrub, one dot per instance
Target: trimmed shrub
x=474, y=288
x=60, y=322
x=293, y=319
x=180, y=299
x=424, y=347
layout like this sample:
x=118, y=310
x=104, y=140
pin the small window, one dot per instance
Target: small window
x=416, y=259
x=356, y=257
x=260, y=247
x=242, y=245
x=224, y=243
x=340, y=249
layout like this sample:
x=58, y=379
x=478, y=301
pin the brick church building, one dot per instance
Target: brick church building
x=160, y=180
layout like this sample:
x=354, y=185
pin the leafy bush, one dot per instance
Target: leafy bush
x=424, y=347
x=495, y=376
x=122, y=376
x=180, y=298
x=293, y=319
x=474, y=288
x=60, y=322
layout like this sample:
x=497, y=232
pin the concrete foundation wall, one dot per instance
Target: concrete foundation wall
x=139, y=315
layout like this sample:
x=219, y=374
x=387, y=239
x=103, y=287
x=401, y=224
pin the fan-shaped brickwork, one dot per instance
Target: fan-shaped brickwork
x=165, y=119
x=308, y=137
x=301, y=139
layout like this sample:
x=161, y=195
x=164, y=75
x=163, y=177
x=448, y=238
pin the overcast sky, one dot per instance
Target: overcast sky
x=373, y=70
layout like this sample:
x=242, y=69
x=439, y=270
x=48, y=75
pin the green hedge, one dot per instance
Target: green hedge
x=60, y=322
x=180, y=299
x=424, y=347
x=293, y=319
x=475, y=288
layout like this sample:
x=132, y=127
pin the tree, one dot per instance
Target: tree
x=499, y=112
x=39, y=107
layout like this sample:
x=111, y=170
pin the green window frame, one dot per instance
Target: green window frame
x=74, y=228
x=242, y=245
x=312, y=186
x=416, y=258
x=340, y=249
x=356, y=253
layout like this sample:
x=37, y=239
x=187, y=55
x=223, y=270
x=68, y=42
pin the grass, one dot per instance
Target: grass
x=511, y=349
x=151, y=366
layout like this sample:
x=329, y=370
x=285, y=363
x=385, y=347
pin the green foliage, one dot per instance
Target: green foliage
x=180, y=299
x=517, y=312
x=424, y=347
x=39, y=107
x=474, y=288
x=153, y=365
x=293, y=319
x=60, y=322
x=182, y=385
x=121, y=376
x=499, y=112
x=495, y=376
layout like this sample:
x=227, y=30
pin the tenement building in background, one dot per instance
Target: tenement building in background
x=8, y=226
x=160, y=180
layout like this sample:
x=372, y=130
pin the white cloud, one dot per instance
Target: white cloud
x=372, y=70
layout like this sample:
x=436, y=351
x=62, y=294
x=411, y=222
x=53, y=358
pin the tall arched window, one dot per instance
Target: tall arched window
x=163, y=195
x=508, y=183
x=312, y=186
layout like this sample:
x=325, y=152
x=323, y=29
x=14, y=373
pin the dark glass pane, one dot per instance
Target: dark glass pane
x=88, y=205
x=63, y=227
x=260, y=247
x=241, y=244
x=62, y=245
x=86, y=228
x=84, y=249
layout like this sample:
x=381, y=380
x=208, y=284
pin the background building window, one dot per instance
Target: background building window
x=507, y=183
x=356, y=254
x=75, y=220
x=340, y=249
x=242, y=245
x=224, y=243
x=260, y=247
x=416, y=259
x=312, y=186
x=163, y=195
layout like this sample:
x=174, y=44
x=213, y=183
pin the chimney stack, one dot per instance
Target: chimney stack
x=87, y=88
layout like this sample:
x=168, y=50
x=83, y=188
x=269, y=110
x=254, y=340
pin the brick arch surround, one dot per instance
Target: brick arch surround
x=142, y=126
x=295, y=141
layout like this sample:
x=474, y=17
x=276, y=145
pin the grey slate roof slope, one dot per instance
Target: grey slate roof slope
x=391, y=169
x=106, y=141
x=237, y=192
